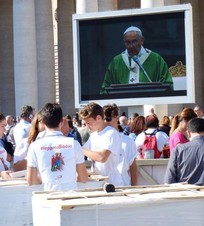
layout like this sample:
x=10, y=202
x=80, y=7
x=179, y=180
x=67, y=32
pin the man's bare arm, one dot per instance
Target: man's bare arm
x=98, y=156
x=82, y=173
x=32, y=176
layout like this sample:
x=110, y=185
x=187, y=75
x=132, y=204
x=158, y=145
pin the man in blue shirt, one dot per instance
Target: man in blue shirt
x=186, y=163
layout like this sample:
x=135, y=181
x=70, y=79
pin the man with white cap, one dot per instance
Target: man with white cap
x=136, y=64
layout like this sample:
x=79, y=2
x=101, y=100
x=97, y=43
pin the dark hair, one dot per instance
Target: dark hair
x=76, y=116
x=196, y=125
x=134, y=115
x=70, y=123
x=2, y=117
x=123, y=114
x=120, y=128
x=52, y=115
x=26, y=111
x=91, y=110
x=151, y=121
x=110, y=111
x=68, y=117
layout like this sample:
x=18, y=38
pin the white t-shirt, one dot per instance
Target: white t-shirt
x=21, y=131
x=108, y=139
x=55, y=156
x=127, y=156
x=21, y=149
x=162, y=139
x=4, y=165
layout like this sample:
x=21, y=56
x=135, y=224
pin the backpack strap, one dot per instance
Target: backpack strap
x=7, y=133
x=151, y=134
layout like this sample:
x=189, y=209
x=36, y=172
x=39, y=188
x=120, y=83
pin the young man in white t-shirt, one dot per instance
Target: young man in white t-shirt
x=22, y=128
x=103, y=145
x=55, y=160
x=127, y=164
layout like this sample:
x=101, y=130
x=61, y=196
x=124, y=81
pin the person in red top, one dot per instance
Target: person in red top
x=178, y=132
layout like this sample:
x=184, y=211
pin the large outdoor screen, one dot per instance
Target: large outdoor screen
x=98, y=38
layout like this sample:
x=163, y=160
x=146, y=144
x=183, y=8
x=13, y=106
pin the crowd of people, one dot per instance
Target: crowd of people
x=53, y=147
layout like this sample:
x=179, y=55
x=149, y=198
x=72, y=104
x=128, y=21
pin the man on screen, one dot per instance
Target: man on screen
x=136, y=64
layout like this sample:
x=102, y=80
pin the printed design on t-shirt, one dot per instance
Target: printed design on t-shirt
x=57, y=162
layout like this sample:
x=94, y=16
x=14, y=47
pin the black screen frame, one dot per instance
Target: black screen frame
x=97, y=38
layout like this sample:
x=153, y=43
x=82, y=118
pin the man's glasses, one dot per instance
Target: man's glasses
x=131, y=43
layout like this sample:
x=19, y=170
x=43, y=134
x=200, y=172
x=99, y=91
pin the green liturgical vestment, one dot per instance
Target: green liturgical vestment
x=119, y=72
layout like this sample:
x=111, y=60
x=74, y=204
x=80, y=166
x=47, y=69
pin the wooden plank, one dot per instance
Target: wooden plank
x=78, y=195
x=11, y=182
x=154, y=162
x=72, y=200
x=117, y=187
x=121, y=192
x=19, y=174
x=146, y=176
x=96, y=177
x=79, y=202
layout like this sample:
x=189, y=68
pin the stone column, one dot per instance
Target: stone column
x=198, y=35
x=55, y=34
x=45, y=52
x=172, y=2
x=85, y=6
x=65, y=49
x=54, y=20
x=106, y=5
x=151, y=3
x=25, y=63
x=7, y=94
x=65, y=54
x=128, y=4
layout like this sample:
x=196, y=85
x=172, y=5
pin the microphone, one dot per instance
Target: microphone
x=108, y=187
x=137, y=61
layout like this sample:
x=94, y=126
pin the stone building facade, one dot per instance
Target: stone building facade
x=27, y=53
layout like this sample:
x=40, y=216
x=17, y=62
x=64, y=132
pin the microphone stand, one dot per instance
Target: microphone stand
x=136, y=60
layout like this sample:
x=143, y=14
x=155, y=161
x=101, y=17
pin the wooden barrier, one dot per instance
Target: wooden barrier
x=167, y=205
x=151, y=171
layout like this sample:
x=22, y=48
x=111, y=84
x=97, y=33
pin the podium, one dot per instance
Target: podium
x=137, y=90
x=142, y=87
